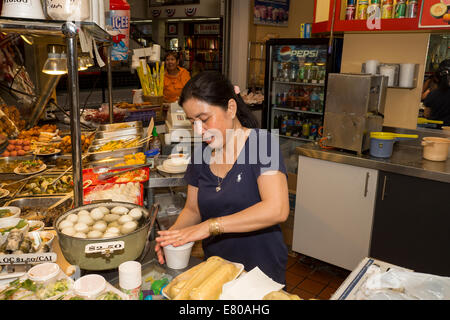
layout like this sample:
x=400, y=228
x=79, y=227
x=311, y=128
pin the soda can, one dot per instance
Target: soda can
x=386, y=11
x=361, y=13
x=411, y=9
x=350, y=12
x=308, y=27
x=400, y=9
x=314, y=131
x=302, y=30
x=305, y=129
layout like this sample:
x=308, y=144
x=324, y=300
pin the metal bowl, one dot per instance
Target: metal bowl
x=74, y=249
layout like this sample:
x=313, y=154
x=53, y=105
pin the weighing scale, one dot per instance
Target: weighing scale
x=178, y=127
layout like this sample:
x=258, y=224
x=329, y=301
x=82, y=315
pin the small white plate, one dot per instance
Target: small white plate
x=162, y=169
x=4, y=193
x=43, y=167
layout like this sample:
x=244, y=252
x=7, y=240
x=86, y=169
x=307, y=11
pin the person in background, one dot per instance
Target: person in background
x=175, y=77
x=429, y=85
x=199, y=64
x=237, y=182
x=437, y=102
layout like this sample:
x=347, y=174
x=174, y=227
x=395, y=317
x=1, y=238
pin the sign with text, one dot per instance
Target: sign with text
x=29, y=258
x=104, y=247
x=207, y=28
x=271, y=12
x=434, y=14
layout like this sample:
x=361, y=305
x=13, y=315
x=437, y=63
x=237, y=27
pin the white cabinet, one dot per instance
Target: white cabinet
x=334, y=211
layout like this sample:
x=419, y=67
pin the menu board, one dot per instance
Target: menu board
x=434, y=14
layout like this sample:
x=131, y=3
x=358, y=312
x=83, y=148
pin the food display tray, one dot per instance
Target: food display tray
x=99, y=142
x=20, y=193
x=119, y=126
x=39, y=202
x=140, y=200
x=92, y=174
x=94, y=156
x=118, y=133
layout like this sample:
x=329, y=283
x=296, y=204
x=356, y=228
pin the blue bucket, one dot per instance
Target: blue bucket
x=381, y=148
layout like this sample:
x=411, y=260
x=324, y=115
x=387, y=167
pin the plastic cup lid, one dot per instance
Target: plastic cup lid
x=44, y=271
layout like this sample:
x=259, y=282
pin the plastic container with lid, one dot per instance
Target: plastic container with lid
x=77, y=10
x=90, y=286
x=44, y=273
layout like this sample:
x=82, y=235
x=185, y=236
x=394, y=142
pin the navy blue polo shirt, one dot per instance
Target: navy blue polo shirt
x=239, y=190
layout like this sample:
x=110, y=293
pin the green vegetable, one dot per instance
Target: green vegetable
x=5, y=213
x=76, y=298
x=109, y=296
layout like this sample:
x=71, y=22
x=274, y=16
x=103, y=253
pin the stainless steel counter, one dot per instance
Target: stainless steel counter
x=406, y=160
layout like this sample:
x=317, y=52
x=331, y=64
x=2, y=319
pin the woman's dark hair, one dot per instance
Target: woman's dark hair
x=443, y=74
x=215, y=89
x=175, y=54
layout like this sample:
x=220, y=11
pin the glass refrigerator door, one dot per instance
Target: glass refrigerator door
x=297, y=90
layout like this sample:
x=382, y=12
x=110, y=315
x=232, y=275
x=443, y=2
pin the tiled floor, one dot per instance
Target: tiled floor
x=312, y=279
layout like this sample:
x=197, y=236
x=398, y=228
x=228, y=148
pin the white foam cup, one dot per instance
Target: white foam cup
x=178, y=257
x=130, y=278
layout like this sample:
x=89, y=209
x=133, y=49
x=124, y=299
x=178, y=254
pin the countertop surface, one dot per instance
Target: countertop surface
x=406, y=160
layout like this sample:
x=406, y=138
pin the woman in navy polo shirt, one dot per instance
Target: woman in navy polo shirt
x=237, y=183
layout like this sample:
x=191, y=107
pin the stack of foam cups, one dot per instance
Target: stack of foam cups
x=130, y=279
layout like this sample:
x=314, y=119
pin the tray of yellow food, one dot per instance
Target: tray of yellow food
x=204, y=281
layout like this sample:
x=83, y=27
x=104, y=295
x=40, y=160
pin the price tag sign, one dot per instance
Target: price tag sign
x=104, y=247
x=31, y=258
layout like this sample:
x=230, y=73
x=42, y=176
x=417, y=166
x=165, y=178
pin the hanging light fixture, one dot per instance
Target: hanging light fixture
x=56, y=63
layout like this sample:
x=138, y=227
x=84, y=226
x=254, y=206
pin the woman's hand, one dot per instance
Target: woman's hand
x=180, y=237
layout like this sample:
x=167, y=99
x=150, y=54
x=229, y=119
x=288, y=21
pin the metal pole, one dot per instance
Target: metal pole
x=70, y=32
x=110, y=97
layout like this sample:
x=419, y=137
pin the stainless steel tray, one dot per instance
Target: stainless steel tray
x=118, y=126
x=39, y=202
x=94, y=156
x=100, y=142
x=20, y=193
x=11, y=160
x=105, y=162
x=118, y=133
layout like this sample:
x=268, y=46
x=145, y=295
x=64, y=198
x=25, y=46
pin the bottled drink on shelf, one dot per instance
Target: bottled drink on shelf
x=308, y=72
x=293, y=73
x=315, y=100
x=284, y=123
x=305, y=129
x=301, y=70
x=290, y=126
x=276, y=122
x=321, y=100
x=278, y=99
x=298, y=126
x=313, y=131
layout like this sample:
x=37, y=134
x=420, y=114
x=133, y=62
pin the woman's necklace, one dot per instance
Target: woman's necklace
x=220, y=180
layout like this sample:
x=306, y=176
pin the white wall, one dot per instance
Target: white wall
x=240, y=14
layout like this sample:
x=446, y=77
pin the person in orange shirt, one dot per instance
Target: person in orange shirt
x=175, y=77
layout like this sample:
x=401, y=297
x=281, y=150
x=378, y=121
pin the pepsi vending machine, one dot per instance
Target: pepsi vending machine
x=295, y=85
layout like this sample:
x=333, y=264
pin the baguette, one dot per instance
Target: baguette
x=211, y=288
x=203, y=273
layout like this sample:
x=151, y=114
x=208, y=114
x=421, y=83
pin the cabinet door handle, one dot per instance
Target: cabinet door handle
x=384, y=188
x=366, y=188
